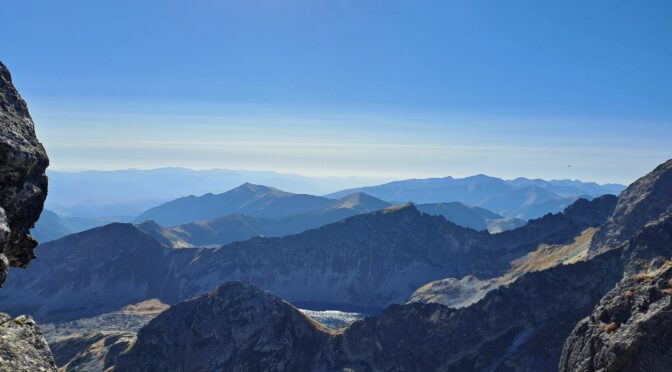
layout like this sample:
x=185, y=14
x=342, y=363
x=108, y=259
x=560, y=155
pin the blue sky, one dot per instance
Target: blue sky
x=371, y=88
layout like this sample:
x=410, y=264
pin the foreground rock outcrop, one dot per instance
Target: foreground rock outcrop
x=631, y=327
x=23, y=188
x=22, y=346
x=23, y=182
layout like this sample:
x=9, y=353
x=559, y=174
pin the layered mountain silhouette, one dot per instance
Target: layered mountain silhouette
x=249, y=199
x=608, y=310
x=371, y=259
x=50, y=226
x=128, y=192
x=238, y=227
x=521, y=198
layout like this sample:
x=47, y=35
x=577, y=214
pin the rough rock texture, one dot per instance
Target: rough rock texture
x=23, y=188
x=520, y=327
x=236, y=327
x=23, y=183
x=463, y=292
x=127, y=320
x=631, y=328
x=645, y=200
x=499, y=333
x=94, y=352
x=22, y=346
x=454, y=292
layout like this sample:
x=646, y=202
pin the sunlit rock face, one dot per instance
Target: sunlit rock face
x=23, y=182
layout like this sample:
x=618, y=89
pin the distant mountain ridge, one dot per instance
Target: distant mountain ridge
x=520, y=198
x=249, y=199
x=568, y=187
x=239, y=227
x=370, y=259
x=128, y=192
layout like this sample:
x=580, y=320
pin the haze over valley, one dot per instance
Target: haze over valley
x=335, y=186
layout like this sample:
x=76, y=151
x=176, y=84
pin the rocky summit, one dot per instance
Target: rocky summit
x=23, y=188
x=647, y=199
x=235, y=327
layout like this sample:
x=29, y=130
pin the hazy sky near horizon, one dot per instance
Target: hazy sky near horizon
x=370, y=88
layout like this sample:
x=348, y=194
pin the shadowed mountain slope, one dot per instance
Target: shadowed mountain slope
x=253, y=200
x=96, y=271
x=239, y=227
x=370, y=259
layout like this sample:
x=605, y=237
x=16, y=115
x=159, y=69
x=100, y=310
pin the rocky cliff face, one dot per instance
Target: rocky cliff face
x=23, y=188
x=23, y=183
x=631, y=327
x=645, y=200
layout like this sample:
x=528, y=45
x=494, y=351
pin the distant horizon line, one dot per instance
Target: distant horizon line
x=383, y=179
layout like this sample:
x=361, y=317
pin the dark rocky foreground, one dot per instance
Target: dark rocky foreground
x=631, y=327
x=23, y=188
x=23, y=182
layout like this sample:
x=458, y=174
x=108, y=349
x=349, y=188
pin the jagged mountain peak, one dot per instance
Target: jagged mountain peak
x=645, y=200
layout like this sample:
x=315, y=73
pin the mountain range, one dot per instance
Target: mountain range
x=520, y=198
x=120, y=195
x=237, y=227
x=597, y=305
x=371, y=259
x=127, y=193
x=570, y=292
